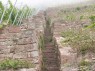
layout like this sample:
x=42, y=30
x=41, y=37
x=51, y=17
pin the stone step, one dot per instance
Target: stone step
x=49, y=44
x=47, y=33
x=50, y=59
x=52, y=69
x=48, y=47
x=49, y=50
x=51, y=65
x=54, y=62
x=48, y=37
x=50, y=54
x=47, y=40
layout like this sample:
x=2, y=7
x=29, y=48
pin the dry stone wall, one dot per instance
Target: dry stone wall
x=21, y=42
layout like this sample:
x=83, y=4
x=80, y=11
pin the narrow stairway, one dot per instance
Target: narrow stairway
x=50, y=53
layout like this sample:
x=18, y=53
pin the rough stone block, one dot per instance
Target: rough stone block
x=14, y=29
x=3, y=36
x=29, y=47
x=20, y=55
x=34, y=54
x=25, y=41
x=19, y=48
x=5, y=51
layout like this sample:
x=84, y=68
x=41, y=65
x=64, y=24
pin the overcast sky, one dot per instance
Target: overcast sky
x=46, y=3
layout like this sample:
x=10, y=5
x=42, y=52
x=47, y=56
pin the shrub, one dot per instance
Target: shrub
x=81, y=17
x=92, y=25
x=14, y=64
x=70, y=17
x=83, y=62
x=78, y=8
x=84, y=65
x=92, y=18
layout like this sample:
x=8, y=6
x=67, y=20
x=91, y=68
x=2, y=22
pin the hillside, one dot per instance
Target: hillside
x=75, y=35
x=48, y=39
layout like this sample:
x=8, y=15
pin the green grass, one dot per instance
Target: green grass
x=80, y=40
x=84, y=65
x=14, y=64
x=78, y=13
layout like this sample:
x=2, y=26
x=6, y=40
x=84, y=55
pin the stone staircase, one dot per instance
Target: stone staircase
x=51, y=59
x=50, y=53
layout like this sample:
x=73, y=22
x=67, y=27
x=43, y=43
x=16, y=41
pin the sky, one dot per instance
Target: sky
x=44, y=3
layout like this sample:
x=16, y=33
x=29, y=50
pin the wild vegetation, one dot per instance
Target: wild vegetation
x=84, y=65
x=14, y=64
x=82, y=41
x=79, y=34
x=13, y=15
x=78, y=13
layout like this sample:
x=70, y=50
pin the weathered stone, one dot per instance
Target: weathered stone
x=31, y=26
x=10, y=43
x=29, y=54
x=20, y=55
x=19, y=48
x=5, y=51
x=3, y=40
x=10, y=55
x=34, y=54
x=2, y=47
x=28, y=32
x=24, y=41
x=2, y=56
x=24, y=69
x=24, y=26
x=35, y=47
x=31, y=69
x=3, y=36
x=35, y=60
x=31, y=47
x=21, y=42
x=29, y=40
x=14, y=29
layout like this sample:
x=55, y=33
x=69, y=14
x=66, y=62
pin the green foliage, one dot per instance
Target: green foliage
x=92, y=18
x=1, y=26
x=65, y=11
x=1, y=9
x=69, y=17
x=41, y=42
x=78, y=8
x=14, y=64
x=68, y=33
x=11, y=7
x=84, y=65
x=91, y=26
x=81, y=17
